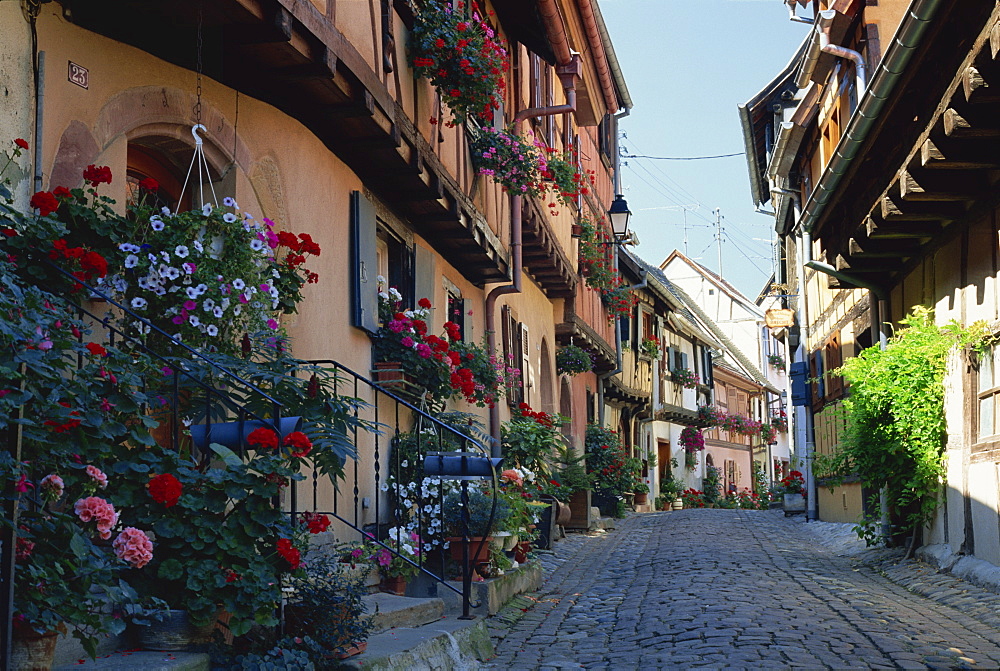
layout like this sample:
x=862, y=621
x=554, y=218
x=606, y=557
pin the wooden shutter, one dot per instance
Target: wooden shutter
x=525, y=363
x=510, y=357
x=364, y=261
x=424, y=273
x=816, y=371
x=834, y=359
x=801, y=393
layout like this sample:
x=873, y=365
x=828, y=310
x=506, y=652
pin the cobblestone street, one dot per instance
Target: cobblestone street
x=741, y=589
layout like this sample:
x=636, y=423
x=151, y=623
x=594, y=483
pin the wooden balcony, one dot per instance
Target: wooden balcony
x=585, y=324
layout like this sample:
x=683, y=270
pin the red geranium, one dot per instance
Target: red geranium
x=263, y=437
x=289, y=553
x=97, y=175
x=62, y=192
x=299, y=442
x=165, y=489
x=149, y=184
x=316, y=522
x=45, y=203
x=96, y=349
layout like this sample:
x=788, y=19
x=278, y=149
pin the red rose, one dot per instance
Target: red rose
x=97, y=175
x=165, y=489
x=22, y=143
x=263, y=437
x=45, y=203
x=289, y=553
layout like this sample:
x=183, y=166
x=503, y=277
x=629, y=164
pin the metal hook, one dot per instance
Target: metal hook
x=194, y=131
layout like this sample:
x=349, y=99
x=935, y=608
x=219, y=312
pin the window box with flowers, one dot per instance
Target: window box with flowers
x=573, y=360
x=506, y=158
x=685, y=377
x=777, y=361
x=792, y=490
x=650, y=348
x=461, y=55
x=562, y=170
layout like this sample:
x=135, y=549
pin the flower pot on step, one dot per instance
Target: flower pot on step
x=31, y=651
x=394, y=585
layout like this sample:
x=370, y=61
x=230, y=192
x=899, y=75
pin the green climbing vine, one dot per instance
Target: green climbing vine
x=896, y=431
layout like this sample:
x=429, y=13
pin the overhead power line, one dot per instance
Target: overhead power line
x=682, y=158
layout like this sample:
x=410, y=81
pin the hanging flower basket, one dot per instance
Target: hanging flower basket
x=573, y=360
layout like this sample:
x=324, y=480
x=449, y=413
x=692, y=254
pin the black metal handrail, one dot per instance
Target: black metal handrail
x=391, y=426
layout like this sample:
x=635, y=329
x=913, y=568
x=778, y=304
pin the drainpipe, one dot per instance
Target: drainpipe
x=39, y=109
x=793, y=17
x=567, y=75
x=843, y=52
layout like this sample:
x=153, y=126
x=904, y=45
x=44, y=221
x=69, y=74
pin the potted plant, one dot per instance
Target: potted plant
x=777, y=361
x=671, y=487
x=650, y=348
x=793, y=493
x=325, y=603
x=479, y=510
x=641, y=491
x=573, y=360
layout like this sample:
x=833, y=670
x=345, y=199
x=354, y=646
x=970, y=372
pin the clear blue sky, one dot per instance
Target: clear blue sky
x=688, y=64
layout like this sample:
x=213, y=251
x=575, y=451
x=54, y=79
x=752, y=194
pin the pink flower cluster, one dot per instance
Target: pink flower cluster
x=52, y=487
x=99, y=510
x=133, y=546
x=98, y=476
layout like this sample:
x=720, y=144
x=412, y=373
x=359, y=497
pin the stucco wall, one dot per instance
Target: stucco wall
x=16, y=97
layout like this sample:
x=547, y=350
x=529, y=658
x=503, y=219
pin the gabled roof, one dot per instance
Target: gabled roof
x=717, y=280
x=756, y=117
x=693, y=313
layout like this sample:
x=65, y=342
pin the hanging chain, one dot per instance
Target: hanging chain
x=198, y=66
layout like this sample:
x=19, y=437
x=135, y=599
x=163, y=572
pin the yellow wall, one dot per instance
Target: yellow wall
x=843, y=504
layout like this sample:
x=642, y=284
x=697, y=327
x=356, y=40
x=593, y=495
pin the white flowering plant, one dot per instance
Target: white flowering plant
x=208, y=276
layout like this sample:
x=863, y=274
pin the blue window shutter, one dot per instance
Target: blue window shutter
x=801, y=392
x=364, y=286
x=684, y=360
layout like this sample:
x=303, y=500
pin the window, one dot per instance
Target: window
x=395, y=263
x=607, y=131
x=987, y=391
x=456, y=311
x=648, y=325
x=515, y=352
x=146, y=163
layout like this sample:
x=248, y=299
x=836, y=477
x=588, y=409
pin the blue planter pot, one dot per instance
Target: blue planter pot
x=234, y=434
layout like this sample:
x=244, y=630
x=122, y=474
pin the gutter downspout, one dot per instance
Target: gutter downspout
x=568, y=73
x=793, y=17
x=39, y=118
x=883, y=82
x=843, y=52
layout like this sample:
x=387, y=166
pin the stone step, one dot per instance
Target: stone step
x=489, y=596
x=147, y=661
x=388, y=611
x=443, y=645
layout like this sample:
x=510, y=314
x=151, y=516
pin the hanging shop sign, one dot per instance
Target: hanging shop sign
x=776, y=319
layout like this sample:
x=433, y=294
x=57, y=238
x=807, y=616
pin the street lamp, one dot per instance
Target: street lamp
x=619, y=215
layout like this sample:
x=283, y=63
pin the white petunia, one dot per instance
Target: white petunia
x=208, y=305
x=153, y=258
x=191, y=292
x=275, y=274
x=165, y=210
x=138, y=303
x=217, y=312
x=193, y=320
x=201, y=288
x=198, y=246
x=212, y=330
x=273, y=291
x=181, y=251
x=229, y=217
x=131, y=261
x=229, y=202
x=239, y=284
x=165, y=256
x=224, y=303
x=256, y=245
x=256, y=305
x=206, y=209
x=128, y=248
x=237, y=310
x=156, y=223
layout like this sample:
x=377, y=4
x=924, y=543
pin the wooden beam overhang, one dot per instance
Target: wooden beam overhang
x=949, y=177
x=289, y=55
x=618, y=391
x=576, y=330
x=544, y=258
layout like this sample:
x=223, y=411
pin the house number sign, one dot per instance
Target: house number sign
x=79, y=75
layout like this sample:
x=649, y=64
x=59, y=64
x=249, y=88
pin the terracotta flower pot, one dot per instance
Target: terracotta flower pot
x=641, y=499
x=521, y=551
x=394, y=585
x=355, y=649
x=32, y=651
x=480, y=544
